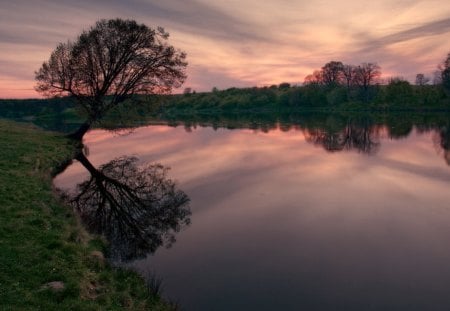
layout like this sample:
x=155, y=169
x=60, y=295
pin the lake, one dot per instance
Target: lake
x=321, y=213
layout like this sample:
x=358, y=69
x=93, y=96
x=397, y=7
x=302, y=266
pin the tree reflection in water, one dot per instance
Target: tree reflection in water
x=137, y=208
x=362, y=137
x=442, y=142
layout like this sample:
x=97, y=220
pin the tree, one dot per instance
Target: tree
x=442, y=141
x=332, y=73
x=421, y=79
x=445, y=72
x=365, y=75
x=348, y=73
x=315, y=78
x=136, y=208
x=399, y=91
x=437, y=77
x=284, y=85
x=113, y=61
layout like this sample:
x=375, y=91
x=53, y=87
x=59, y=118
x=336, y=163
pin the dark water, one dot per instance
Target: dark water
x=316, y=214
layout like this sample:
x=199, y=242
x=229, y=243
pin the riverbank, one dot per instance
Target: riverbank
x=62, y=114
x=47, y=260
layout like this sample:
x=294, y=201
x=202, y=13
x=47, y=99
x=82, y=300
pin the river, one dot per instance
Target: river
x=329, y=215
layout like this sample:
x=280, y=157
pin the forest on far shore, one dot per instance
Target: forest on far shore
x=334, y=87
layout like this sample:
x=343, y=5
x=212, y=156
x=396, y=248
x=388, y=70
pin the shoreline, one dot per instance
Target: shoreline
x=48, y=261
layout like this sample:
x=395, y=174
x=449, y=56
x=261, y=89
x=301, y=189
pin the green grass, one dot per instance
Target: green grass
x=41, y=240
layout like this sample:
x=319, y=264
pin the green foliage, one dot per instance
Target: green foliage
x=18, y=109
x=400, y=92
x=430, y=96
x=284, y=85
x=397, y=95
x=337, y=96
x=41, y=241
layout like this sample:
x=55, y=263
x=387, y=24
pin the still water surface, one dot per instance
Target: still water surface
x=295, y=219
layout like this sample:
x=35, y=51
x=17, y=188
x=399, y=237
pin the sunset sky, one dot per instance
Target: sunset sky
x=238, y=43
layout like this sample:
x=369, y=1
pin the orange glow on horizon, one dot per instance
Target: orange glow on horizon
x=12, y=89
x=241, y=43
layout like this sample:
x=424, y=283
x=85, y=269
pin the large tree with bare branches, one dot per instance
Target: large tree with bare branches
x=332, y=73
x=111, y=62
x=365, y=76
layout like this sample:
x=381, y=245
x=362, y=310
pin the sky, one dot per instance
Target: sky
x=238, y=43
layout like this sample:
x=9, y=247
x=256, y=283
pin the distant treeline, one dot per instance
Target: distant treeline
x=23, y=108
x=53, y=114
x=397, y=95
x=334, y=87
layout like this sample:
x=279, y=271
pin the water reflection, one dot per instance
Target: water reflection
x=442, y=142
x=361, y=137
x=137, y=208
x=334, y=132
x=281, y=224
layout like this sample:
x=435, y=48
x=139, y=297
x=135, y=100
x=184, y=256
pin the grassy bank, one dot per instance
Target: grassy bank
x=41, y=241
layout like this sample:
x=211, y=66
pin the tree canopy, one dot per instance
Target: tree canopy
x=110, y=63
x=137, y=208
x=445, y=72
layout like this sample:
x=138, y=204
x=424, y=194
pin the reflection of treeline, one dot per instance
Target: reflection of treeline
x=398, y=124
x=334, y=87
x=334, y=131
x=57, y=114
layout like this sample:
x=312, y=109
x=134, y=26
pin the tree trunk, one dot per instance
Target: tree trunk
x=88, y=165
x=78, y=134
